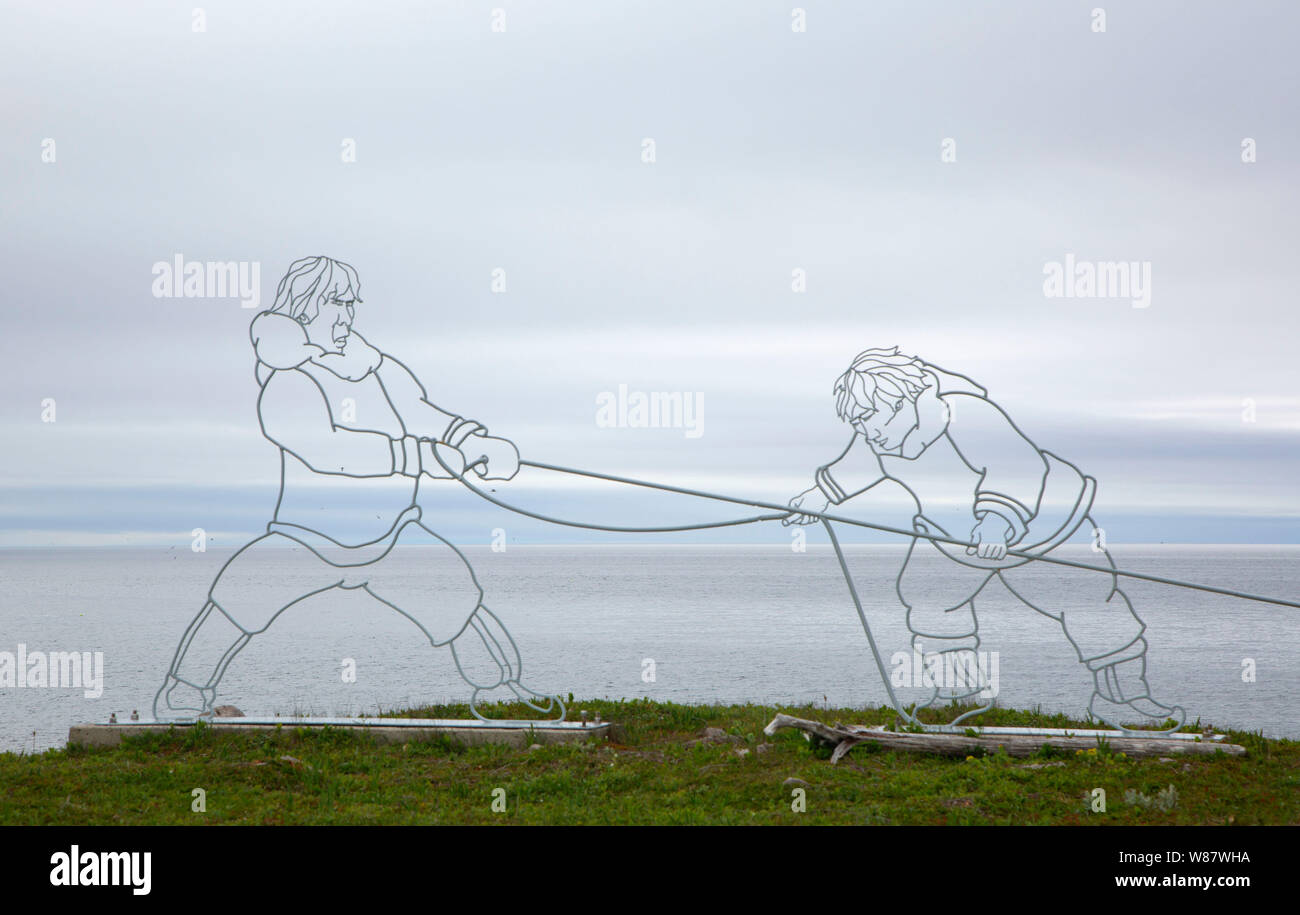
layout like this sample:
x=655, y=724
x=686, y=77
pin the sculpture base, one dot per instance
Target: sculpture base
x=469, y=731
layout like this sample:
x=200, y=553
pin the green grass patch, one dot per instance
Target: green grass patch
x=652, y=774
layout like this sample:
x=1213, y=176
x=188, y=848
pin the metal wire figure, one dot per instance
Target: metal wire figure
x=355, y=429
x=974, y=475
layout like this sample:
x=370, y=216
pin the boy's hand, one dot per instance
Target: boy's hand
x=810, y=500
x=989, y=537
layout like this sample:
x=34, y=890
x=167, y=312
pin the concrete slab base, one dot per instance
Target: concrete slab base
x=470, y=732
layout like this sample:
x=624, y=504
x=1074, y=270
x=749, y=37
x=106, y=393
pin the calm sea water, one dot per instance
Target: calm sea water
x=756, y=624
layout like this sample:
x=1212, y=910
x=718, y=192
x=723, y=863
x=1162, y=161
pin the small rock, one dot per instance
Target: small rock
x=1165, y=759
x=227, y=711
x=742, y=752
x=764, y=747
x=794, y=783
x=714, y=736
x=536, y=746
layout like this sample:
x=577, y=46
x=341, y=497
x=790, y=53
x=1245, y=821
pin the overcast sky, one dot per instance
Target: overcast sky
x=774, y=150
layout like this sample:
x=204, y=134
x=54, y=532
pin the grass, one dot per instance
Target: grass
x=649, y=775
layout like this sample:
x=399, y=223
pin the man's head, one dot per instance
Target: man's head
x=877, y=395
x=320, y=293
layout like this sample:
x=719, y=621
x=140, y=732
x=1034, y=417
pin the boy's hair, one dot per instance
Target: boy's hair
x=878, y=375
x=312, y=280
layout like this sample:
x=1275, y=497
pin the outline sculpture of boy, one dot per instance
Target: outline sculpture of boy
x=357, y=439
x=976, y=478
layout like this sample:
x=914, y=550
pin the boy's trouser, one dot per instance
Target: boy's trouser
x=1096, y=615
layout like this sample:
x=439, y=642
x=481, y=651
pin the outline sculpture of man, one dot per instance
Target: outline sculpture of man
x=357, y=437
x=975, y=477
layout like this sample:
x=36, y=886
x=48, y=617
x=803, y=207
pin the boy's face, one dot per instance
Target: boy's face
x=885, y=423
x=333, y=322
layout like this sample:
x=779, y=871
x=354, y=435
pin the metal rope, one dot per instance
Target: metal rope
x=826, y=519
x=823, y=516
x=598, y=527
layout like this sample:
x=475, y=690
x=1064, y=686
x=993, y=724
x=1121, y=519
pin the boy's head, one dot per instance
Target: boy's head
x=877, y=395
x=320, y=293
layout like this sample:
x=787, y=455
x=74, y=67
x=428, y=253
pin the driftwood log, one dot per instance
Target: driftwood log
x=845, y=737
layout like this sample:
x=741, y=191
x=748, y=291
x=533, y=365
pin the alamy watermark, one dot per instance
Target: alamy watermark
x=75, y=867
x=1075, y=279
x=967, y=669
x=182, y=279
x=83, y=670
x=626, y=409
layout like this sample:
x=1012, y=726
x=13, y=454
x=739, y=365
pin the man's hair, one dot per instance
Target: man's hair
x=878, y=375
x=312, y=280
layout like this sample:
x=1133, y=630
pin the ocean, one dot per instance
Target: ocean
x=688, y=623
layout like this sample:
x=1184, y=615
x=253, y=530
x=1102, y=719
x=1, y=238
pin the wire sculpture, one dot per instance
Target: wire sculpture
x=353, y=423
x=969, y=468
x=353, y=426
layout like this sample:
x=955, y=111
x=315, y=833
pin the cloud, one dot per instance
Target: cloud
x=479, y=151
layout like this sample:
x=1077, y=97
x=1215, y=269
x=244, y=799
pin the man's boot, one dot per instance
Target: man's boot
x=206, y=648
x=180, y=701
x=488, y=660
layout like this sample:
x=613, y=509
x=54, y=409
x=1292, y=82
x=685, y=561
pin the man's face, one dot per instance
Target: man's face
x=333, y=322
x=885, y=423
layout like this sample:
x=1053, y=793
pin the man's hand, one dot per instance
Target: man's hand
x=989, y=537
x=813, y=500
x=491, y=458
x=430, y=451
